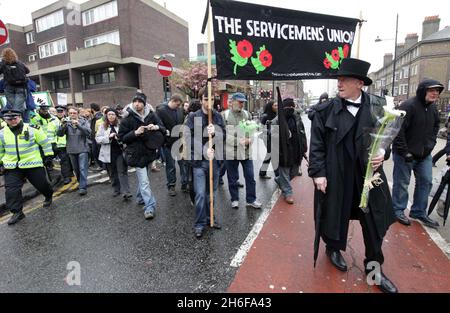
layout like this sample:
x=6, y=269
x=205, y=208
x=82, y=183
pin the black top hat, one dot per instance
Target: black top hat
x=354, y=68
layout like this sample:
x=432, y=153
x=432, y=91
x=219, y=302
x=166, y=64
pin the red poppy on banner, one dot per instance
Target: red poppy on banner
x=256, y=42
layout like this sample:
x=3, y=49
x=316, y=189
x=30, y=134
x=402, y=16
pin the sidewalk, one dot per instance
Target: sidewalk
x=281, y=257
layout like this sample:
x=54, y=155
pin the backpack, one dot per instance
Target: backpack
x=15, y=74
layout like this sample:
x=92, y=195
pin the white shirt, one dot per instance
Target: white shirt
x=352, y=109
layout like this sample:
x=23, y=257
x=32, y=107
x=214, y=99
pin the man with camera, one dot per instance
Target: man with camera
x=77, y=131
x=20, y=158
x=143, y=133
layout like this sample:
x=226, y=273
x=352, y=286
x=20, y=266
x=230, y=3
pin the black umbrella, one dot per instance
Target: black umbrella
x=444, y=182
x=319, y=198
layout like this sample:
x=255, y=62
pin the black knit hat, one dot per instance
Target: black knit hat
x=140, y=97
x=111, y=110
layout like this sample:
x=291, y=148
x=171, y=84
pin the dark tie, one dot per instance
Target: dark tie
x=348, y=103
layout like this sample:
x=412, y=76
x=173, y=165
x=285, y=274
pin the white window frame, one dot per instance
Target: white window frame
x=100, y=13
x=406, y=72
x=110, y=37
x=53, y=48
x=395, y=91
x=30, y=38
x=49, y=21
x=32, y=57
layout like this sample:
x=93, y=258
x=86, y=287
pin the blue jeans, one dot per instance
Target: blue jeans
x=233, y=179
x=201, y=188
x=286, y=174
x=80, y=165
x=16, y=97
x=184, y=172
x=402, y=175
x=145, y=190
x=171, y=171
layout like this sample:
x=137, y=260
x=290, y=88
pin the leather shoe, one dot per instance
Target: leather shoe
x=426, y=221
x=337, y=260
x=48, y=202
x=16, y=218
x=289, y=200
x=402, y=219
x=386, y=285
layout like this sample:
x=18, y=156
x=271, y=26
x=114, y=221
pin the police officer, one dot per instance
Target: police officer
x=49, y=125
x=20, y=158
x=61, y=143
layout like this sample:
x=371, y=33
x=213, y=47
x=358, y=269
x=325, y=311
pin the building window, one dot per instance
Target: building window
x=30, y=38
x=99, y=77
x=50, y=21
x=100, y=13
x=113, y=38
x=60, y=83
x=396, y=76
x=32, y=57
x=53, y=48
x=403, y=89
x=405, y=72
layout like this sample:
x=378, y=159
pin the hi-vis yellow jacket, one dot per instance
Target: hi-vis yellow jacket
x=22, y=151
x=50, y=126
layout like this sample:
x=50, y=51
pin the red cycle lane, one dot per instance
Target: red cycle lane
x=281, y=257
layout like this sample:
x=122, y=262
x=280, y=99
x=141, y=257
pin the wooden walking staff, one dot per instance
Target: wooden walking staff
x=210, y=143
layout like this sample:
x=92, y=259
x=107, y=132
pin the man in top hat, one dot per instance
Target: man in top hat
x=20, y=158
x=340, y=138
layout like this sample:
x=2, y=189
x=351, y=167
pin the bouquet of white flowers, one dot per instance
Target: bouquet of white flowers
x=390, y=123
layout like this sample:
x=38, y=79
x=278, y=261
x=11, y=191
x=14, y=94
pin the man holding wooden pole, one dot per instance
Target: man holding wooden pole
x=207, y=135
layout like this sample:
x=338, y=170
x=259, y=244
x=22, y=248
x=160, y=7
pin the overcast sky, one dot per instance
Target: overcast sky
x=380, y=16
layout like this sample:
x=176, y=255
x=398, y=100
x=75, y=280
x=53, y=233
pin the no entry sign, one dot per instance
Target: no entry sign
x=165, y=68
x=3, y=33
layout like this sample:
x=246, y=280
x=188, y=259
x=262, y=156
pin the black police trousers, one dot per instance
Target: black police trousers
x=14, y=180
x=66, y=166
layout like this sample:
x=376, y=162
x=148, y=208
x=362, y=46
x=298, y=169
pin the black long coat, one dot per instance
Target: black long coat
x=330, y=124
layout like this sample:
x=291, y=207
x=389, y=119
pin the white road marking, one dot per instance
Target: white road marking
x=248, y=242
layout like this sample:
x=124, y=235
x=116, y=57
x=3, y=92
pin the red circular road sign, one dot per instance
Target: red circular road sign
x=165, y=68
x=3, y=33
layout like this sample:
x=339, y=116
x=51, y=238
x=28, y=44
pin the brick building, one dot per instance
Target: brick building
x=417, y=60
x=100, y=51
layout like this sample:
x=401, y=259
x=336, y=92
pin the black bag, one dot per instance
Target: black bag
x=15, y=75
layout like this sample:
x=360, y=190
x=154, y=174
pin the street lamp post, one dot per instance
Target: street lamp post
x=394, y=63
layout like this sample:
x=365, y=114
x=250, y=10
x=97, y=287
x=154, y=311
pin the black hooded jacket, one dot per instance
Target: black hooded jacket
x=140, y=151
x=420, y=126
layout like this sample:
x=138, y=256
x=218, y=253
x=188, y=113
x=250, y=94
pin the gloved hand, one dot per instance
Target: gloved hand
x=48, y=161
x=2, y=170
x=409, y=158
x=54, y=148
